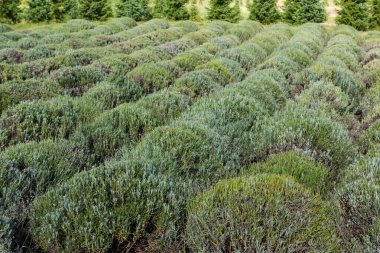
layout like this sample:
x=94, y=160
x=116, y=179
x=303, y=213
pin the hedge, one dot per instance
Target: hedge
x=260, y=213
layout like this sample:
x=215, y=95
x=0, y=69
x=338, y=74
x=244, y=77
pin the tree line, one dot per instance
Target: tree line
x=361, y=14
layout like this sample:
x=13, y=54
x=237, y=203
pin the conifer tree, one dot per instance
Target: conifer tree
x=221, y=9
x=355, y=13
x=39, y=11
x=9, y=11
x=94, y=9
x=171, y=9
x=136, y=9
x=264, y=11
x=303, y=11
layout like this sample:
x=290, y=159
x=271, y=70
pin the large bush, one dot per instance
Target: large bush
x=10, y=11
x=303, y=11
x=39, y=11
x=264, y=11
x=260, y=213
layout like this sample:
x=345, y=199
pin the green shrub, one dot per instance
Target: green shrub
x=358, y=196
x=40, y=52
x=146, y=55
x=136, y=9
x=13, y=92
x=301, y=167
x=347, y=30
x=177, y=47
x=38, y=68
x=94, y=10
x=76, y=80
x=264, y=11
x=9, y=12
x=229, y=69
x=27, y=171
x=154, y=76
x=223, y=42
x=117, y=92
x=355, y=13
x=127, y=123
x=39, y=11
x=375, y=14
x=171, y=9
x=76, y=25
x=303, y=11
x=189, y=60
x=371, y=75
x=5, y=28
x=247, y=55
x=79, y=57
x=11, y=56
x=220, y=9
x=256, y=213
x=198, y=83
x=148, y=191
x=313, y=130
x=39, y=120
x=369, y=139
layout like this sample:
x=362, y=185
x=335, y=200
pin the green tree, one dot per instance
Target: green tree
x=39, y=11
x=221, y=9
x=171, y=9
x=194, y=12
x=303, y=11
x=355, y=13
x=136, y=9
x=9, y=11
x=264, y=11
x=375, y=13
x=94, y=9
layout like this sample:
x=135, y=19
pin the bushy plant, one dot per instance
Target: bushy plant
x=154, y=76
x=13, y=92
x=76, y=80
x=303, y=11
x=355, y=13
x=375, y=14
x=264, y=11
x=5, y=28
x=9, y=12
x=229, y=69
x=94, y=10
x=358, y=196
x=198, y=83
x=300, y=166
x=255, y=213
x=39, y=11
x=136, y=9
x=39, y=120
x=189, y=60
x=127, y=123
x=221, y=9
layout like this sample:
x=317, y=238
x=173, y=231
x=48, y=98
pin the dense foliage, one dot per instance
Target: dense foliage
x=355, y=13
x=302, y=11
x=264, y=11
x=164, y=136
x=221, y=9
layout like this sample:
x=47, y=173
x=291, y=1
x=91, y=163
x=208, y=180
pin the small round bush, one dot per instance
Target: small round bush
x=358, y=196
x=81, y=57
x=76, y=25
x=198, y=83
x=300, y=166
x=13, y=92
x=127, y=123
x=247, y=55
x=40, y=52
x=154, y=76
x=117, y=92
x=263, y=213
x=76, y=80
x=188, y=61
x=39, y=120
x=229, y=69
x=11, y=56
